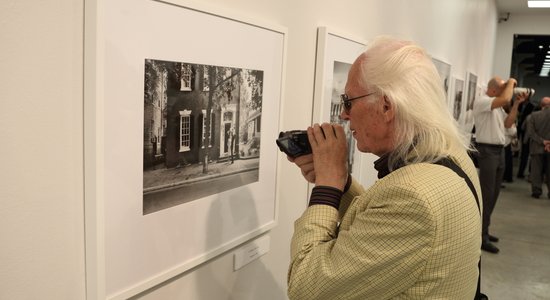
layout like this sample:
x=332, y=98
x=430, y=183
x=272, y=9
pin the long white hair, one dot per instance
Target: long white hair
x=425, y=130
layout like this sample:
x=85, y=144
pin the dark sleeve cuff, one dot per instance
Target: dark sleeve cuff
x=325, y=195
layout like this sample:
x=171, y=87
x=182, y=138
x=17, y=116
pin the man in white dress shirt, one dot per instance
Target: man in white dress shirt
x=491, y=122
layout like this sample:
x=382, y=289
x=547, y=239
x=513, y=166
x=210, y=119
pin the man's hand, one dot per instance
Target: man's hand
x=330, y=154
x=305, y=163
x=520, y=98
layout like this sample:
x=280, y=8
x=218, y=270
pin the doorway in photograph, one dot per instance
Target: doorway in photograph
x=201, y=131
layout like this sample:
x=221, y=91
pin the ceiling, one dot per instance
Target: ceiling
x=518, y=7
x=527, y=54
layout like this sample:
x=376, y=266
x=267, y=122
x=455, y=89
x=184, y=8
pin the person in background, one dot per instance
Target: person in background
x=511, y=135
x=491, y=121
x=232, y=136
x=525, y=109
x=414, y=234
x=538, y=129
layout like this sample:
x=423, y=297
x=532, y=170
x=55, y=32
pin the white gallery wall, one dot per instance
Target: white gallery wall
x=41, y=189
x=41, y=124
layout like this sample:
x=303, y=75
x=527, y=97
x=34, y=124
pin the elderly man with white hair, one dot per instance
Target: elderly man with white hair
x=415, y=233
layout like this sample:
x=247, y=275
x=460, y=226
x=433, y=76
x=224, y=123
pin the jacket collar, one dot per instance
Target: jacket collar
x=382, y=165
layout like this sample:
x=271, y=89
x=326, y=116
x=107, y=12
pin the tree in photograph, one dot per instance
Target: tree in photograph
x=222, y=81
x=220, y=85
x=255, y=82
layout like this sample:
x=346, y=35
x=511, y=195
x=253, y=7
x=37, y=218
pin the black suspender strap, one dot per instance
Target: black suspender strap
x=446, y=162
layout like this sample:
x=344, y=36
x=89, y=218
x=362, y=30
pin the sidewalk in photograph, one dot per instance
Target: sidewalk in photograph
x=159, y=179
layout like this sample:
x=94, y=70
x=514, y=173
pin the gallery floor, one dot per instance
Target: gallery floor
x=521, y=270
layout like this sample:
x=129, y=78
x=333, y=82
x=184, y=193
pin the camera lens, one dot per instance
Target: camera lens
x=520, y=90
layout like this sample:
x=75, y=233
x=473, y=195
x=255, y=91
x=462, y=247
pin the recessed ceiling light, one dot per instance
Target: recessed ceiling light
x=538, y=4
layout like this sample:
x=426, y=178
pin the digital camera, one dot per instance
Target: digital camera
x=294, y=143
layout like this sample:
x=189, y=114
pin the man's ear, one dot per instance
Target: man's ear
x=388, y=109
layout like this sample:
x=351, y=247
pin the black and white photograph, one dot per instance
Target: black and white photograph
x=201, y=131
x=471, y=96
x=472, y=85
x=339, y=78
x=444, y=71
x=458, y=94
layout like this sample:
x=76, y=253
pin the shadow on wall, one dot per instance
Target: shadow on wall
x=215, y=279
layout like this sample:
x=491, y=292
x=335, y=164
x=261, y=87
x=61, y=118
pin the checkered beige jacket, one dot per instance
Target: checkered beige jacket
x=415, y=234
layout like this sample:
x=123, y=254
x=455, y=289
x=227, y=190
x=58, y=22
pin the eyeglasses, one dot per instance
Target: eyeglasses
x=346, y=101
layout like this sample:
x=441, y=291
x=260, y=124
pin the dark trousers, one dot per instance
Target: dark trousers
x=491, y=170
x=508, y=164
x=540, y=168
x=523, y=158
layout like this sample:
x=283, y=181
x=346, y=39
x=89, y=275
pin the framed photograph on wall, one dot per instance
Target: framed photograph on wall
x=471, y=94
x=457, y=96
x=336, y=53
x=182, y=107
x=444, y=71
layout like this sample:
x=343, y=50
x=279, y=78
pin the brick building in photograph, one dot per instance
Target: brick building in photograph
x=195, y=113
